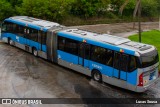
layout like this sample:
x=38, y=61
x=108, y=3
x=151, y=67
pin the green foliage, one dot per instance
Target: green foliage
x=48, y=9
x=116, y=4
x=158, y=2
x=89, y=8
x=149, y=8
x=129, y=9
x=6, y=10
x=14, y=2
x=69, y=10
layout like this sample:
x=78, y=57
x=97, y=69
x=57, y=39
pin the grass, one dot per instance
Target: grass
x=150, y=37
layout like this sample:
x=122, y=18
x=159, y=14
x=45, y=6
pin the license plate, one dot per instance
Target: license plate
x=151, y=75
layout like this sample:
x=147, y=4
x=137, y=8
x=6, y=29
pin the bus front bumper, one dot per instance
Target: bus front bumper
x=144, y=88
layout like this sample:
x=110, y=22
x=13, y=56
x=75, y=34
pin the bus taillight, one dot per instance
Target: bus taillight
x=140, y=80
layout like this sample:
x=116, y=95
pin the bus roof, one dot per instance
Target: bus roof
x=105, y=40
x=35, y=23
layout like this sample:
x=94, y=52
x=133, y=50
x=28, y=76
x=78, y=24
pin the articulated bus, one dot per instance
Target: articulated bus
x=106, y=58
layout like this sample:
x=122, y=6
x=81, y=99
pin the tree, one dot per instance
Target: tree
x=54, y=10
x=15, y=2
x=149, y=8
x=136, y=10
x=6, y=10
x=89, y=8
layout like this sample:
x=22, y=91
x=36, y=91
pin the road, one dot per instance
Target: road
x=120, y=29
x=24, y=76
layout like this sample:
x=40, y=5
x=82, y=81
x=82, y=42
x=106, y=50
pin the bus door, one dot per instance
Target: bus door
x=84, y=53
x=120, y=66
x=27, y=41
x=27, y=36
x=40, y=40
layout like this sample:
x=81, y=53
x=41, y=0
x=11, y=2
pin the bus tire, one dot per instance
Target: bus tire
x=97, y=76
x=10, y=41
x=35, y=52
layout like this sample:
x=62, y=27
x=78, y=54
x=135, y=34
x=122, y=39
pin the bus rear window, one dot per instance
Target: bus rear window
x=149, y=59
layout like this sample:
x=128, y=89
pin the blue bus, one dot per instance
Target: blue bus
x=114, y=60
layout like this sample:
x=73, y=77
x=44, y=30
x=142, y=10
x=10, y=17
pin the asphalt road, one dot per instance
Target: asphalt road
x=120, y=29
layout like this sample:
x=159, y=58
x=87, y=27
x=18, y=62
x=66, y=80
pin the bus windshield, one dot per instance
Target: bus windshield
x=149, y=59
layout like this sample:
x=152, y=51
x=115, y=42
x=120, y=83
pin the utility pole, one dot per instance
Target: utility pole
x=139, y=20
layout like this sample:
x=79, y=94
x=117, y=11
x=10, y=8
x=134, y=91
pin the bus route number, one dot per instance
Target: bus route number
x=96, y=66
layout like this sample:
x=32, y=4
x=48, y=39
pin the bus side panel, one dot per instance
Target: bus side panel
x=67, y=57
x=10, y=35
x=4, y=37
x=21, y=40
x=123, y=75
x=80, y=61
x=86, y=63
x=116, y=73
x=44, y=48
x=132, y=77
x=33, y=44
x=105, y=70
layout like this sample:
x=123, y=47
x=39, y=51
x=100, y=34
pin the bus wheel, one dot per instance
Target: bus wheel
x=35, y=52
x=97, y=76
x=10, y=41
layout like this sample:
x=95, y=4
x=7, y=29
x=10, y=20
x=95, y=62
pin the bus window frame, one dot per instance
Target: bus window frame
x=136, y=61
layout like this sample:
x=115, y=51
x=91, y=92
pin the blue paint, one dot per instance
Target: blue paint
x=80, y=60
x=132, y=77
x=93, y=42
x=116, y=73
x=44, y=48
x=24, y=41
x=123, y=75
x=105, y=70
x=68, y=57
x=86, y=63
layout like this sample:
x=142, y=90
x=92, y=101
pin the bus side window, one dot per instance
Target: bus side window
x=133, y=64
x=9, y=27
x=20, y=30
x=102, y=55
x=44, y=37
x=121, y=61
x=71, y=46
x=61, y=43
x=124, y=62
x=109, y=58
x=117, y=57
x=15, y=28
x=34, y=34
x=87, y=51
